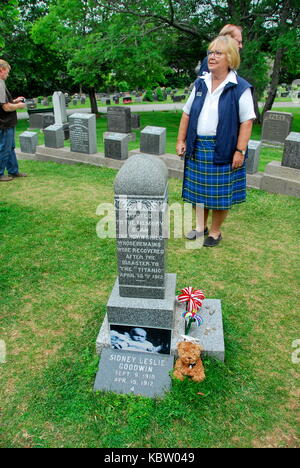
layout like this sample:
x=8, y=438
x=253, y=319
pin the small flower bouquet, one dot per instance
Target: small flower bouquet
x=193, y=299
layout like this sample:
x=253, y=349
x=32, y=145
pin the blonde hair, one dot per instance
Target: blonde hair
x=4, y=64
x=230, y=48
x=229, y=30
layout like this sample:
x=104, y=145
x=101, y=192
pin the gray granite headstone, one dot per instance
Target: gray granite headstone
x=276, y=127
x=141, y=205
x=40, y=120
x=291, y=152
x=133, y=372
x=28, y=142
x=116, y=145
x=54, y=136
x=119, y=119
x=141, y=307
x=83, y=133
x=135, y=121
x=252, y=161
x=153, y=140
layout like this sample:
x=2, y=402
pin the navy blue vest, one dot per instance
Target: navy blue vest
x=229, y=121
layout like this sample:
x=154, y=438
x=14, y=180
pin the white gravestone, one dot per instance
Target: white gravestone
x=59, y=104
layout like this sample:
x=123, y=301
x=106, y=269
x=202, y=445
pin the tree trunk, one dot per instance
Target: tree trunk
x=94, y=105
x=274, y=81
x=256, y=108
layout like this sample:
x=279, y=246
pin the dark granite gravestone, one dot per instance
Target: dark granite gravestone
x=28, y=142
x=135, y=121
x=276, y=127
x=141, y=307
x=116, y=145
x=38, y=120
x=54, y=136
x=131, y=372
x=141, y=204
x=291, y=152
x=119, y=119
x=252, y=161
x=153, y=140
x=83, y=133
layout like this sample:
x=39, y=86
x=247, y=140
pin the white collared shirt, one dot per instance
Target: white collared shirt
x=209, y=116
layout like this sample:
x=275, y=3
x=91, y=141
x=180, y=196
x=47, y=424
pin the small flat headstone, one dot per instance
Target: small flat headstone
x=252, y=161
x=153, y=140
x=291, y=153
x=54, y=136
x=134, y=372
x=28, y=142
x=116, y=145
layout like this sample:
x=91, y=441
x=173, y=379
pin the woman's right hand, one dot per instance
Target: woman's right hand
x=180, y=148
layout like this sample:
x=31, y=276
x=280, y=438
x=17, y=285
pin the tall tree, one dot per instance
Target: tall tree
x=9, y=15
x=269, y=28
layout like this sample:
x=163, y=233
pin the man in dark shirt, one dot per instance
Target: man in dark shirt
x=8, y=122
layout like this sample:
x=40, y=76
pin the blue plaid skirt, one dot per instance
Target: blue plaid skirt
x=216, y=186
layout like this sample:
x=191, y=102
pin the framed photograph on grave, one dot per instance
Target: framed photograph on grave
x=141, y=339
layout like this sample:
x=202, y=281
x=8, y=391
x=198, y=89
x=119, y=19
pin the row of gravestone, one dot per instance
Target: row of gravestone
x=81, y=129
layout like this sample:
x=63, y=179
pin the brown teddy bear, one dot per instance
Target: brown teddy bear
x=189, y=362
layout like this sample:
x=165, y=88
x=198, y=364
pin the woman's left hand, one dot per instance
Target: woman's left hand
x=238, y=160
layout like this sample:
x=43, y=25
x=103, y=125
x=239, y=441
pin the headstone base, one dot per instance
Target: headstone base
x=210, y=334
x=140, y=311
x=281, y=179
x=134, y=372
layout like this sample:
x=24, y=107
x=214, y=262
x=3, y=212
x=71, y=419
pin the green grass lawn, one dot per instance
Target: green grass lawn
x=56, y=276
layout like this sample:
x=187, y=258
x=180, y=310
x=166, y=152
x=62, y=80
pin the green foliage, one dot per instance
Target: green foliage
x=148, y=96
x=123, y=86
x=159, y=94
x=9, y=16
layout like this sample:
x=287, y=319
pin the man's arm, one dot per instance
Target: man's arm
x=13, y=106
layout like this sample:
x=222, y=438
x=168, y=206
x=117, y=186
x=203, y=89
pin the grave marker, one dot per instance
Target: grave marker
x=291, y=152
x=153, y=140
x=141, y=307
x=276, y=127
x=28, y=142
x=119, y=119
x=54, y=136
x=83, y=133
x=252, y=161
x=116, y=145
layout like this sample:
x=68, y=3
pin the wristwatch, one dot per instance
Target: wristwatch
x=241, y=151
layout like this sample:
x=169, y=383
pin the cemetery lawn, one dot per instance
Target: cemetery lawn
x=170, y=120
x=56, y=276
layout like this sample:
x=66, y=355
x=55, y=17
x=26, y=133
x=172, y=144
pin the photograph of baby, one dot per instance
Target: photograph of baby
x=147, y=340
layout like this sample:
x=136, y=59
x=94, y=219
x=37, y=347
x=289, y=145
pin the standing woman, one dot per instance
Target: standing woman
x=214, y=133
